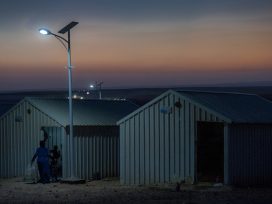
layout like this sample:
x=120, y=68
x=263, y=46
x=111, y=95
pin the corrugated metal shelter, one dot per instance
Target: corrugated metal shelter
x=95, y=134
x=198, y=136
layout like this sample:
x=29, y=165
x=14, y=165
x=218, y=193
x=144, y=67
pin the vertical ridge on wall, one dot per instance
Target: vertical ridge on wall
x=192, y=141
x=172, y=156
x=177, y=139
x=187, y=139
x=137, y=149
x=166, y=143
x=161, y=139
x=182, y=140
x=146, y=146
x=157, y=142
x=152, y=144
x=128, y=152
x=132, y=151
x=122, y=153
x=142, y=145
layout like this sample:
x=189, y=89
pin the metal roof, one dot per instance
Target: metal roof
x=85, y=112
x=230, y=107
x=238, y=107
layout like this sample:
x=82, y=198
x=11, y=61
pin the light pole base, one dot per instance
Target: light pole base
x=73, y=180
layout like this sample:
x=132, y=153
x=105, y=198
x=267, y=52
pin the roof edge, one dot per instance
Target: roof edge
x=228, y=120
x=144, y=106
x=28, y=99
x=12, y=108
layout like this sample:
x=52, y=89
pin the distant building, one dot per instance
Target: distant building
x=96, y=135
x=198, y=136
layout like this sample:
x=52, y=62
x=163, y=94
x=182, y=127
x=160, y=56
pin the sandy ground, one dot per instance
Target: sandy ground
x=110, y=191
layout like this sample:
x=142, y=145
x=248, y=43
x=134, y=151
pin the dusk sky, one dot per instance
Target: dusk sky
x=136, y=43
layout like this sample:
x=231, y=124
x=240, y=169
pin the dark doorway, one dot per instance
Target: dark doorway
x=55, y=139
x=210, y=152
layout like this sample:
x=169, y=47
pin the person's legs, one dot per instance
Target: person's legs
x=46, y=172
x=55, y=172
x=40, y=168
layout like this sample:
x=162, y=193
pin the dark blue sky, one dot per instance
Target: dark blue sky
x=12, y=10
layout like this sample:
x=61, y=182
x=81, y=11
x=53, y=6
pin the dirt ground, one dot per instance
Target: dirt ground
x=110, y=191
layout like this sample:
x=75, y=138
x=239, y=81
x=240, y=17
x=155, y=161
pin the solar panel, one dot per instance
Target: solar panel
x=68, y=27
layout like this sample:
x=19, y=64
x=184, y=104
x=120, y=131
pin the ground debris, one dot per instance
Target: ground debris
x=112, y=192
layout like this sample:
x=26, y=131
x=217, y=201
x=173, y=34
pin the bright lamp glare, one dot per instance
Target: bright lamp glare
x=91, y=86
x=44, y=31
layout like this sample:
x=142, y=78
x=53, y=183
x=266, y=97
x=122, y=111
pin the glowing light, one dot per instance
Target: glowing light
x=91, y=86
x=44, y=31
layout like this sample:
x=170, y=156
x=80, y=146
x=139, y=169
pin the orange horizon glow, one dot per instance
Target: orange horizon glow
x=216, y=49
x=214, y=43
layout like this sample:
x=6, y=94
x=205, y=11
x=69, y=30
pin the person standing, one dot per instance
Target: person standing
x=42, y=162
x=55, y=155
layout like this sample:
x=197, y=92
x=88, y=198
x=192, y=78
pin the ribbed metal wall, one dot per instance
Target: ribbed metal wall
x=96, y=149
x=157, y=143
x=250, y=154
x=19, y=140
x=55, y=137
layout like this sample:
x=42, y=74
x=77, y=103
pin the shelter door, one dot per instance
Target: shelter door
x=55, y=139
x=210, y=151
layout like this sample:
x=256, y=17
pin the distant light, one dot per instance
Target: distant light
x=44, y=31
x=87, y=92
x=75, y=96
x=91, y=86
x=81, y=97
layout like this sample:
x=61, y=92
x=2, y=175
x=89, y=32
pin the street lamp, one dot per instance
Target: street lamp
x=97, y=86
x=67, y=44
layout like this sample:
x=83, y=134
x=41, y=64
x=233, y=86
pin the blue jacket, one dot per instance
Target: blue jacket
x=42, y=154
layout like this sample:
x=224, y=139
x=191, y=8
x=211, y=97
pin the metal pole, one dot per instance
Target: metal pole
x=98, y=86
x=70, y=144
x=100, y=95
x=70, y=105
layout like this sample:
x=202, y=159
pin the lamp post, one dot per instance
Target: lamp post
x=98, y=86
x=67, y=44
